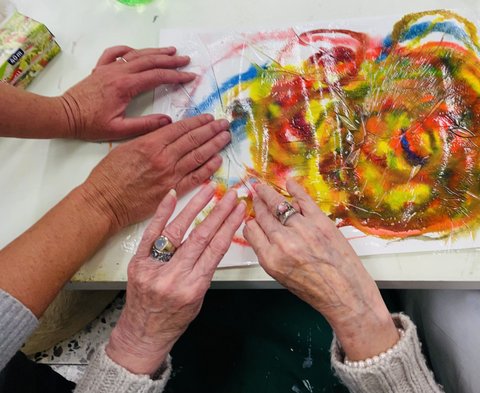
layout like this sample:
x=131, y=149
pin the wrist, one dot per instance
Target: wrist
x=134, y=354
x=70, y=115
x=366, y=335
x=98, y=204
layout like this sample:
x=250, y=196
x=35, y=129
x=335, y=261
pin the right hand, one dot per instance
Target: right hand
x=130, y=181
x=310, y=257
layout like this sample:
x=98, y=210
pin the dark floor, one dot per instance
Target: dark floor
x=243, y=341
x=256, y=341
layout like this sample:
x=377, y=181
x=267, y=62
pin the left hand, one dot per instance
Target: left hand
x=95, y=107
x=164, y=297
x=311, y=258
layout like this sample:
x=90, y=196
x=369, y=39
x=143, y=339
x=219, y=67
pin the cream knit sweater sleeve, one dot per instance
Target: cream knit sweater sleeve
x=17, y=323
x=103, y=375
x=404, y=370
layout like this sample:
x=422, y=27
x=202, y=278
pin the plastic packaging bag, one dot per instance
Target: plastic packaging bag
x=26, y=46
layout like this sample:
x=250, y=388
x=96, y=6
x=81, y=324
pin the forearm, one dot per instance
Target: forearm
x=367, y=328
x=28, y=115
x=38, y=263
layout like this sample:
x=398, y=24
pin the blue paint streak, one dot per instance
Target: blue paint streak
x=411, y=156
x=237, y=128
x=213, y=98
x=420, y=29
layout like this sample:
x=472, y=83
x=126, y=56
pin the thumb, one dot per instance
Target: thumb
x=134, y=126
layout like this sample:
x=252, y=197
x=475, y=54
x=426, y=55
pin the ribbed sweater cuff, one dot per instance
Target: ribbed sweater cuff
x=103, y=375
x=17, y=323
x=403, y=370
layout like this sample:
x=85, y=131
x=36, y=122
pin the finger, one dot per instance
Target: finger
x=136, y=53
x=221, y=242
x=201, y=236
x=198, y=176
x=110, y=54
x=152, y=62
x=197, y=137
x=199, y=156
x=306, y=203
x=175, y=231
x=148, y=80
x=156, y=226
x=265, y=219
x=134, y=126
x=272, y=199
x=174, y=131
x=255, y=236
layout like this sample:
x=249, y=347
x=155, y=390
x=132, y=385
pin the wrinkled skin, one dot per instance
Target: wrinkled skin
x=310, y=257
x=163, y=298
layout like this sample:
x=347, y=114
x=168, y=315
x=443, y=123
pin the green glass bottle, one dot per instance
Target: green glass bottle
x=135, y=2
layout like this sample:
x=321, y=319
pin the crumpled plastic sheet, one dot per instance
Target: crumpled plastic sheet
x=383, y=130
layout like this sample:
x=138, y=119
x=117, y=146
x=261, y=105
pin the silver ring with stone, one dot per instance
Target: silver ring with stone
x=162, y=249
x=121, y=58
x=284, y=211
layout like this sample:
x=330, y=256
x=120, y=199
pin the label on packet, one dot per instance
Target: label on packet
x=26, y=47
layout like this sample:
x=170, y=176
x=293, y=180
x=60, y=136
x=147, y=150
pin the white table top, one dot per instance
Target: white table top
x=36, y=174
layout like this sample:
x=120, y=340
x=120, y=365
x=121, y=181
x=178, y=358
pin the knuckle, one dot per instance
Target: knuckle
x=220, y=248
x=174, y=232
x=289, y=248
x=150, y=63
x=277, y=237
x=140, y=281
x=198, y=157
x=182, y=126
x=196, y=179
x=200, y=238
x=161, y=73
x=192, y=139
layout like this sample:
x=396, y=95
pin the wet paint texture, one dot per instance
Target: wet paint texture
x=383, y=133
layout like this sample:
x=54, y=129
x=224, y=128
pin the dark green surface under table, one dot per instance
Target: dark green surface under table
x=254, y=341
x=257, y=341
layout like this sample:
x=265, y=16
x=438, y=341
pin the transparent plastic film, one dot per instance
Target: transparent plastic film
x=380, y=124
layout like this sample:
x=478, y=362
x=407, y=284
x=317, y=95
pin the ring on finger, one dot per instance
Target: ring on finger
x=284, y=211
x=162, y=249
x=121, y=58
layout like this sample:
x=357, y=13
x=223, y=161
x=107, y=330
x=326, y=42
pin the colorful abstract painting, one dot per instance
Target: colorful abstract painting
x=380, y=123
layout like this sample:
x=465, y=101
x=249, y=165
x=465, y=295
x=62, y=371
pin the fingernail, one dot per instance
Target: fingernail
x=218, y=158
x=164, y=121
x=192, y=74
x=225, y=136
x=172, y=193
x=209, y=117
x=211, y=185
x=241, y=207
x=224, y=123
x=231, y=194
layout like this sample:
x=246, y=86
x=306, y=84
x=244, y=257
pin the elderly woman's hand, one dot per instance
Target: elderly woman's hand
x=164, y=297
x=310, y=257
x=95, y=107
x=127, y=185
